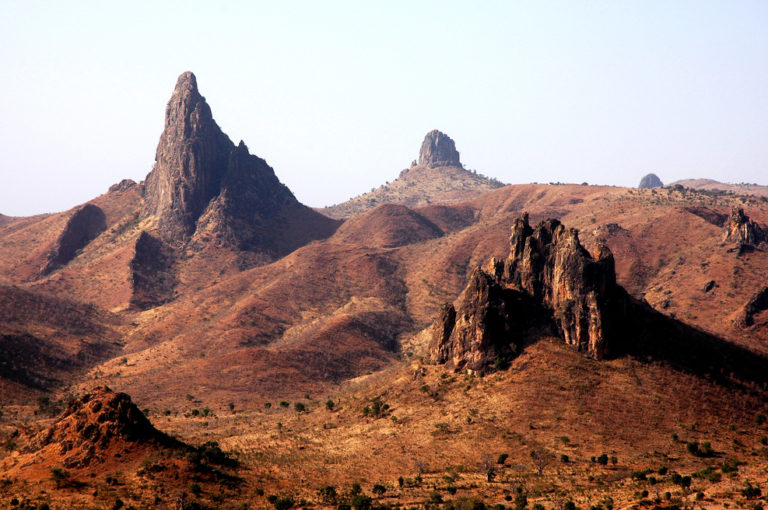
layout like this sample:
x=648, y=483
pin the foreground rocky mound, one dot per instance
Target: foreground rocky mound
x=200, y=176
x=548, y=280
x=96, y=427
x=83, y=227
x=437, y=176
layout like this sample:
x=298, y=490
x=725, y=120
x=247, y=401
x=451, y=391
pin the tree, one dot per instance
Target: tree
x=541, y=459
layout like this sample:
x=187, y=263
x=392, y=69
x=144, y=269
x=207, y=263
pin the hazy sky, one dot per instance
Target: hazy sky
x=337, y=96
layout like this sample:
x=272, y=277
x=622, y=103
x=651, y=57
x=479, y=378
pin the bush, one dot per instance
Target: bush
x=284, y=403
x=603, y=460
x=328, y=494
x=751, y=492
x=195, y=489
x=502, y=458
x=283, y=503
x=564, y=459
x=760, y=418
x=360, y=502
x=299, y=407
x=329, y=404
x=378, y=489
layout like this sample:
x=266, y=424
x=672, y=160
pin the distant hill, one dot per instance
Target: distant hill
x=711, y=184
x=437, y=177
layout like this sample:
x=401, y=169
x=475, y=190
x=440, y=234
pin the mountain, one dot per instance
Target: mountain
x=436, y=177
x=531, y=344
x=717, y=186
x=203, y=187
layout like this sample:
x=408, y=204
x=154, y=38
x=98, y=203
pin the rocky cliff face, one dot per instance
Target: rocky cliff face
x=83, y=227
x=200, y=173
x=548, y=280
x=438, y=150
x=743, y=231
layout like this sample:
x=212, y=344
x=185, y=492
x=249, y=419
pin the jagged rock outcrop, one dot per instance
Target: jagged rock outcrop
x=757, y=303
x=743, y=231
x=153, y=271
x=438, y=149
x=200, y=174
x=124, y=185
x=549, y=278
x=82, y=227
x=92, y=424
x=650, y=181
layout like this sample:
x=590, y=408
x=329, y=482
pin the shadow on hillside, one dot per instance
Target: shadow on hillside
x=652, y=336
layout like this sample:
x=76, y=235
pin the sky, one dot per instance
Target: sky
x=337, y=96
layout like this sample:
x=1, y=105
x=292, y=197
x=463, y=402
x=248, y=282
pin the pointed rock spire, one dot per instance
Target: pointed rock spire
x=438, y=150
x=190, y=161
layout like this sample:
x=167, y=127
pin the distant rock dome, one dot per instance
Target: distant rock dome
x=438, y=149
x=650, y=181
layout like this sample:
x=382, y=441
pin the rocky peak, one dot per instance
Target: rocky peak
x=438, y=149
x=650, y=181
x=548, y=279
x=190, y=161
x=204, y=189
x=742, y=230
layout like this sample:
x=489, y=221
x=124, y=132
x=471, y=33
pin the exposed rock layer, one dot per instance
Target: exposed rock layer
x=548, y=278
x=756, y=304
x=83, y=227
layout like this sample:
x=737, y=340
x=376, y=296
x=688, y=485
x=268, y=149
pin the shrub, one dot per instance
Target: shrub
x=283, y=503
x=564, y=459
x=502, y=458
x=267, y=404
x=751, y=492
x=299, y=407
x=379, y=489
x=569, y=505
x=435, y=498
x=602, y=460
x=195, y=489
x=284, y=403
x=730, y=465
x=328, y=494
x=360, y=502
x=760, y=418
x=329, y=404
x=400, y=481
